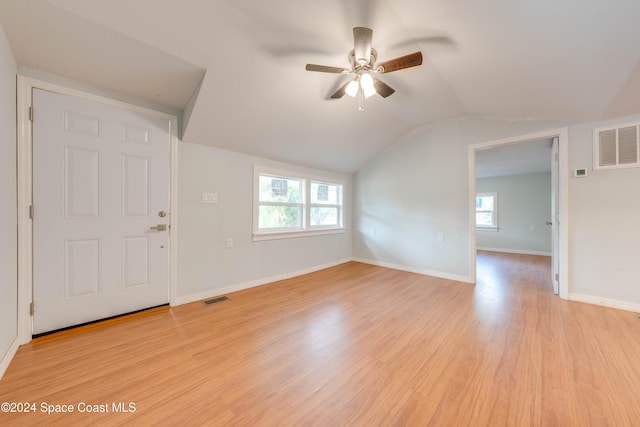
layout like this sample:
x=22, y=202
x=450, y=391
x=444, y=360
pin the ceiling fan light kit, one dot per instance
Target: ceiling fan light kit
x=352, y=88
x=363, y=64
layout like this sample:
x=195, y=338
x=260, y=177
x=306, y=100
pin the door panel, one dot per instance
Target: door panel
x=82, y=183
x=136, y=188
x=136, y=261
x=101, y=176
x=82, y=268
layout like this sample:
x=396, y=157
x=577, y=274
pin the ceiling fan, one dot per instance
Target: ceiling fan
x=363, y=64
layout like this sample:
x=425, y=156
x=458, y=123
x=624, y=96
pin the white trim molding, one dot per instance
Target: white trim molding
x=605, y=302
x=25, y=86
x=8, y=357
x=254, y=283
x=422, y=271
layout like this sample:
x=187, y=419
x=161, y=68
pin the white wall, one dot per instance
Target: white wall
x=524, y=201
x=8, y=206
x=205, y=266
x=417, y=189
x=604, y=249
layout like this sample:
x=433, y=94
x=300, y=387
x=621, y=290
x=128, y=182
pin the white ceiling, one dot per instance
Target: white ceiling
x=243, y=62
x=520, y=158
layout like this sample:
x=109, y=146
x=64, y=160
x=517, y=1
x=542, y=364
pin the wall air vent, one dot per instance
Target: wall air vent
x=616, y=147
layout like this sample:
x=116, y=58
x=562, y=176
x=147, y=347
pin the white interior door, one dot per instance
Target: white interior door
x=101, y=179
x=555, y=221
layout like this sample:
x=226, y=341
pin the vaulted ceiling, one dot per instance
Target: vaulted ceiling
x=236, y=67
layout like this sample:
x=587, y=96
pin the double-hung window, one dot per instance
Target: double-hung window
x=280, y=206
x=487, y=211
x=288, y=204
x=326, y=205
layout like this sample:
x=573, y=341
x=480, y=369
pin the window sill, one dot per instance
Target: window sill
x=257, y=237
x=486, y=228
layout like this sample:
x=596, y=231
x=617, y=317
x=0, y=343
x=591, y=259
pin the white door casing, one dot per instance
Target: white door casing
x=555, y=222
x=101, y=178
x=562, y=208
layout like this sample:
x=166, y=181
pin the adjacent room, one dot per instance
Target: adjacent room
x=340, y=213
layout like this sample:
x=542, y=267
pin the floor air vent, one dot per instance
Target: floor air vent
x=214, y=300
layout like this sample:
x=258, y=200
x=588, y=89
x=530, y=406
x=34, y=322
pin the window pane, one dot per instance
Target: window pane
x=484, y=219
x=280, y=189
x=279, y=217
x=484, y=203
x=324, y=193
x=324, y=216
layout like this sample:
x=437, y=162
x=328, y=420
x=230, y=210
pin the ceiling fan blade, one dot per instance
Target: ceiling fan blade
x=362, y=44
x=382, y=88
x=325, y=69
x=407, y=61
x=340, y=92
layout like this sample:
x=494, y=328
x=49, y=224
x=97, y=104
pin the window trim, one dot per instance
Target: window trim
x=306, y=228
x=494, y=225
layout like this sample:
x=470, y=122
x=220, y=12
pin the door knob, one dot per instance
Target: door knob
x=549, y=223
x=159, y=227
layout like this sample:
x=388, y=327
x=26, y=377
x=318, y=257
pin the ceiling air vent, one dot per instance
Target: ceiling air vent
x=616, y=147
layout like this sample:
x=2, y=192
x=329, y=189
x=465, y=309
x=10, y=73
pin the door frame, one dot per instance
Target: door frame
x=25, y=86
x=563, y=174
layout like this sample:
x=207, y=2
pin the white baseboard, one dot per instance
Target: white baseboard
x=252, y=284
x=515, y=251
x=605, y=302
x=424, y=272
x=8, y=357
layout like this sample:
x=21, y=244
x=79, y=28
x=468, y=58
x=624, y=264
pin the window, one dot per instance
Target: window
x=280, y=203
x=291, y=205
x=326, y=205
x=487, y=211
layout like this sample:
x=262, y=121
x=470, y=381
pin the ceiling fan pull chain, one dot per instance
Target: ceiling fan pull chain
x=360, y=99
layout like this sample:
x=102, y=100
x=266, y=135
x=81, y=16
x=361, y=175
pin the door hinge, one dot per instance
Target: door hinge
x=31, y=113
x=32, y=308
x=32, y=212
x=557, y=277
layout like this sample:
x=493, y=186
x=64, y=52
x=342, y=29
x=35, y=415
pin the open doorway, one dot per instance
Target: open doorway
x=514, y=200
x=517, y=195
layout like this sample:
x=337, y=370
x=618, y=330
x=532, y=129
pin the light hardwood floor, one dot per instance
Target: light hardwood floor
x=354, y=345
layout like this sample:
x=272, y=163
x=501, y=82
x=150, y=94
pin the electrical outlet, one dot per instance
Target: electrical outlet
x=440, y=237
x=209, y=197
x=229, y=242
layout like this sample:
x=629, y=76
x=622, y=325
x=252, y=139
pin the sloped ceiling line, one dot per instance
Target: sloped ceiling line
x=236, y=67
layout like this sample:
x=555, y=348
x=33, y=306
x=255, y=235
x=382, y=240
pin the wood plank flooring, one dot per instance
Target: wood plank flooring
x=353, y=345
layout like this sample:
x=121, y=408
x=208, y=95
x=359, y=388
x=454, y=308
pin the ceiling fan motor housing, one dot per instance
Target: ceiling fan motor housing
x=363, y=62
x=357, y=64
